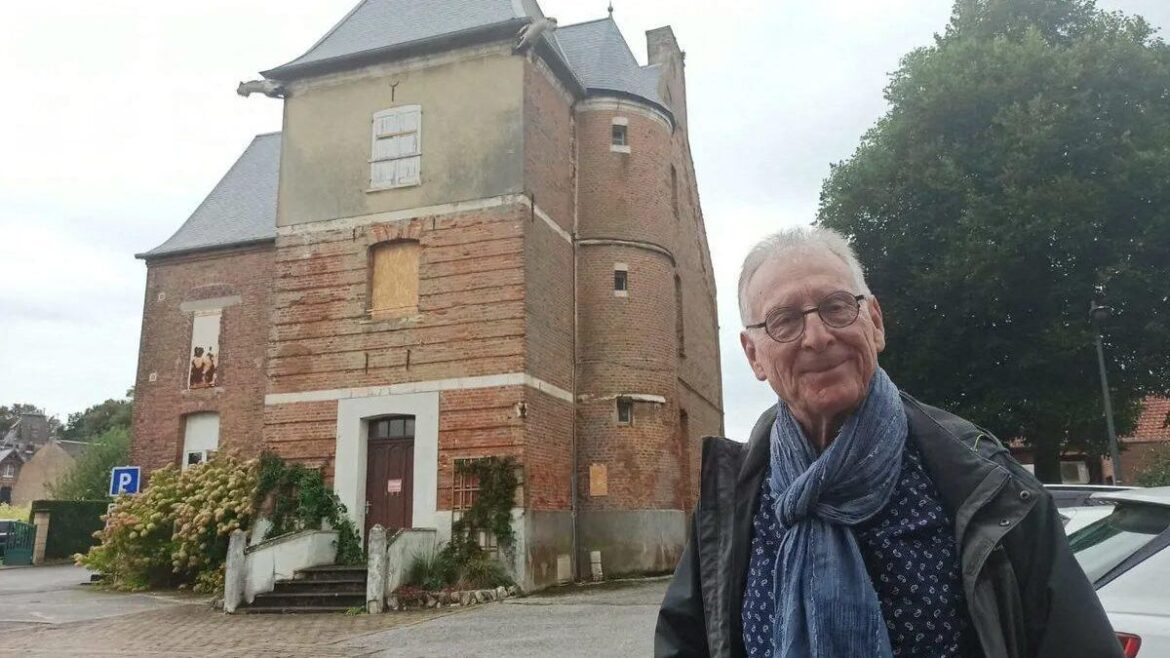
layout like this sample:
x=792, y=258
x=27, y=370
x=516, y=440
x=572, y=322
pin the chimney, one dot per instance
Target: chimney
x=662, y=49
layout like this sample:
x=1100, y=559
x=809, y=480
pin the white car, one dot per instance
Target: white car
x=1126, y=558
x=1076, y=504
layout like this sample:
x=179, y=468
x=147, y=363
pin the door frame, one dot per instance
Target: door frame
x=349, y=480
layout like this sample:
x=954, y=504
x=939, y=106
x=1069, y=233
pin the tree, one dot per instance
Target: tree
x=89, y=477
x=98, y=419
x=1021, y=167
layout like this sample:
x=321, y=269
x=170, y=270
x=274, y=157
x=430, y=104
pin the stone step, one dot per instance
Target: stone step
x=354, y=574
x=308, y=585
x=248, y=610
x=344, y=600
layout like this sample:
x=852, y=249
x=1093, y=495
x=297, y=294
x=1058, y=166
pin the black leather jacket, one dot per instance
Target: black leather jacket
x=1026, y=594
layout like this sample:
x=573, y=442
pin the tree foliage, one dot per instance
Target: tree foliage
x=1021, y=167
x=89, y=477
x=97, y=420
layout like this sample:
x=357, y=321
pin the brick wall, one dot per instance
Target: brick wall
x=471, y=308
x=159, y=406
x=548, y=144
x=1150, y=439
x=624, y=195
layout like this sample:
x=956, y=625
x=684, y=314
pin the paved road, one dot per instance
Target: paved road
x=615, y=619
x=50, y=615
x=56, y=594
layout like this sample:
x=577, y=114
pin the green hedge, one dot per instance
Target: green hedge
x=71, y=525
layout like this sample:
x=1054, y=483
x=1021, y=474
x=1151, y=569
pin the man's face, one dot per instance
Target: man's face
x=826, y=372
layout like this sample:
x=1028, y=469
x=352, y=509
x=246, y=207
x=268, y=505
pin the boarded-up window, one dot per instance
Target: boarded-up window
x=394, y=277
x=204, y=364
x=396, y=147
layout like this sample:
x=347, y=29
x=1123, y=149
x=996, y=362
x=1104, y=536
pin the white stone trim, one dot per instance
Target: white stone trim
x=349, y=469
x=633, y=397
x=342, y=223
x=622, y=105
x=619, y=148
x=213, y=304
x=621, y=121
x=553, y=225
x=399, y=215
x=434, y=385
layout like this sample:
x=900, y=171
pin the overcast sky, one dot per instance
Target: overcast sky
x=118, y=117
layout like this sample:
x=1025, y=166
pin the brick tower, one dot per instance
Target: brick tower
x=455, y=248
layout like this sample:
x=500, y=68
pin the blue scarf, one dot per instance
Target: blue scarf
x=825, y=604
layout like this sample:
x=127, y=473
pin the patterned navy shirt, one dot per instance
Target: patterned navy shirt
x=910, y=553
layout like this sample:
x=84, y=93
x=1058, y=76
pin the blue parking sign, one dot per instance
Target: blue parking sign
x=124, y=480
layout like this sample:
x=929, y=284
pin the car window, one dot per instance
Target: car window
x=1104, y=544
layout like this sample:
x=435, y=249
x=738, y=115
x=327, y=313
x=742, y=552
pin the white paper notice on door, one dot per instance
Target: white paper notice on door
x=393, y=486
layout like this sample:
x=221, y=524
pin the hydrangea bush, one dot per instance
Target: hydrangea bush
x=175, y=533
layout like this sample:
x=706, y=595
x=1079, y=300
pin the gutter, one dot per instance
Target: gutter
x=150, y=255
x=293, y=71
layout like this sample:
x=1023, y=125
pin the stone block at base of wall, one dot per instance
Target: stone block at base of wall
x=631, y=543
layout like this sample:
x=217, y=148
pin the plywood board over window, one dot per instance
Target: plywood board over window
x=394, y=278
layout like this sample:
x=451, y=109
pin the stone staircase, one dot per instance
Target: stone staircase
x=315, y=589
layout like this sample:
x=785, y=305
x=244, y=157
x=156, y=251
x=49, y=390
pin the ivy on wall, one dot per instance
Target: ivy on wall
x=294, y=497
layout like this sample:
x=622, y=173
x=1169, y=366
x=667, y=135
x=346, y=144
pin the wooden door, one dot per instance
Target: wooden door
x=390, y=474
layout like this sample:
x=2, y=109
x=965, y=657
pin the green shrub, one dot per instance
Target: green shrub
x=175, y=533
x=72, y=525
x=445, y=569
x=295, y=497
x=1157, y=474
x=14, y=513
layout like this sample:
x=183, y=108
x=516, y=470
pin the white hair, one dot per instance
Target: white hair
x=802, y=241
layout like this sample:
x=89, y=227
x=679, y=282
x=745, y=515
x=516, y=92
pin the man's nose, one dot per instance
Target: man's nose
x=816, y=336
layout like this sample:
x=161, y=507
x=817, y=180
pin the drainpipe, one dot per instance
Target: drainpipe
x=574, y=504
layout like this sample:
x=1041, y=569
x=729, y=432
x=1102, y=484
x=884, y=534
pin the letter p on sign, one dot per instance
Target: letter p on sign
x=125, y=480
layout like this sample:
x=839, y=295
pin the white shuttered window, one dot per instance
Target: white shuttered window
x=396, y=147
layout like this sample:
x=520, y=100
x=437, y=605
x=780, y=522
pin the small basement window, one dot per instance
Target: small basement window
x=625, y=411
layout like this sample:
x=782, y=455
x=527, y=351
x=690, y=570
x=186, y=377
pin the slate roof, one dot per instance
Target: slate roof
x=385, y=24
x=240, y=210
x=74, y=448
x=599, y=56
x=596, y=52
x=10, y=451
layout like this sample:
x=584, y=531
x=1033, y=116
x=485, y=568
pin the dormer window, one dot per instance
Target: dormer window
x=396, y=148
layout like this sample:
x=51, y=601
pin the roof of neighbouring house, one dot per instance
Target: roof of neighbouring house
x=7, y=452
x=240, y=210
x=73, y=448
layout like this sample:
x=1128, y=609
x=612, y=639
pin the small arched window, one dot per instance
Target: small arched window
x=394, y=278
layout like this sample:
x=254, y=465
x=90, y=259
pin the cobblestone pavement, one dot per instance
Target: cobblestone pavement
x=196, y=630
x=614, y=619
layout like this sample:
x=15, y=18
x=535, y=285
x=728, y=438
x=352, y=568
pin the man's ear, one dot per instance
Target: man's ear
x=749, y=350
x=879, y=323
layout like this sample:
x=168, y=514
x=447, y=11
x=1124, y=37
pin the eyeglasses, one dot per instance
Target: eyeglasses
x=785, y=324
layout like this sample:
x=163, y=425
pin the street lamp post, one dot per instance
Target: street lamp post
x=1099, y=313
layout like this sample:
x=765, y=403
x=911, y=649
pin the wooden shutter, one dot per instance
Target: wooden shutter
x=396, y=147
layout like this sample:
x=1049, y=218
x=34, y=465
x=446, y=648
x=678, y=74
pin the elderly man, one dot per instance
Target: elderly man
x=858, y=521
